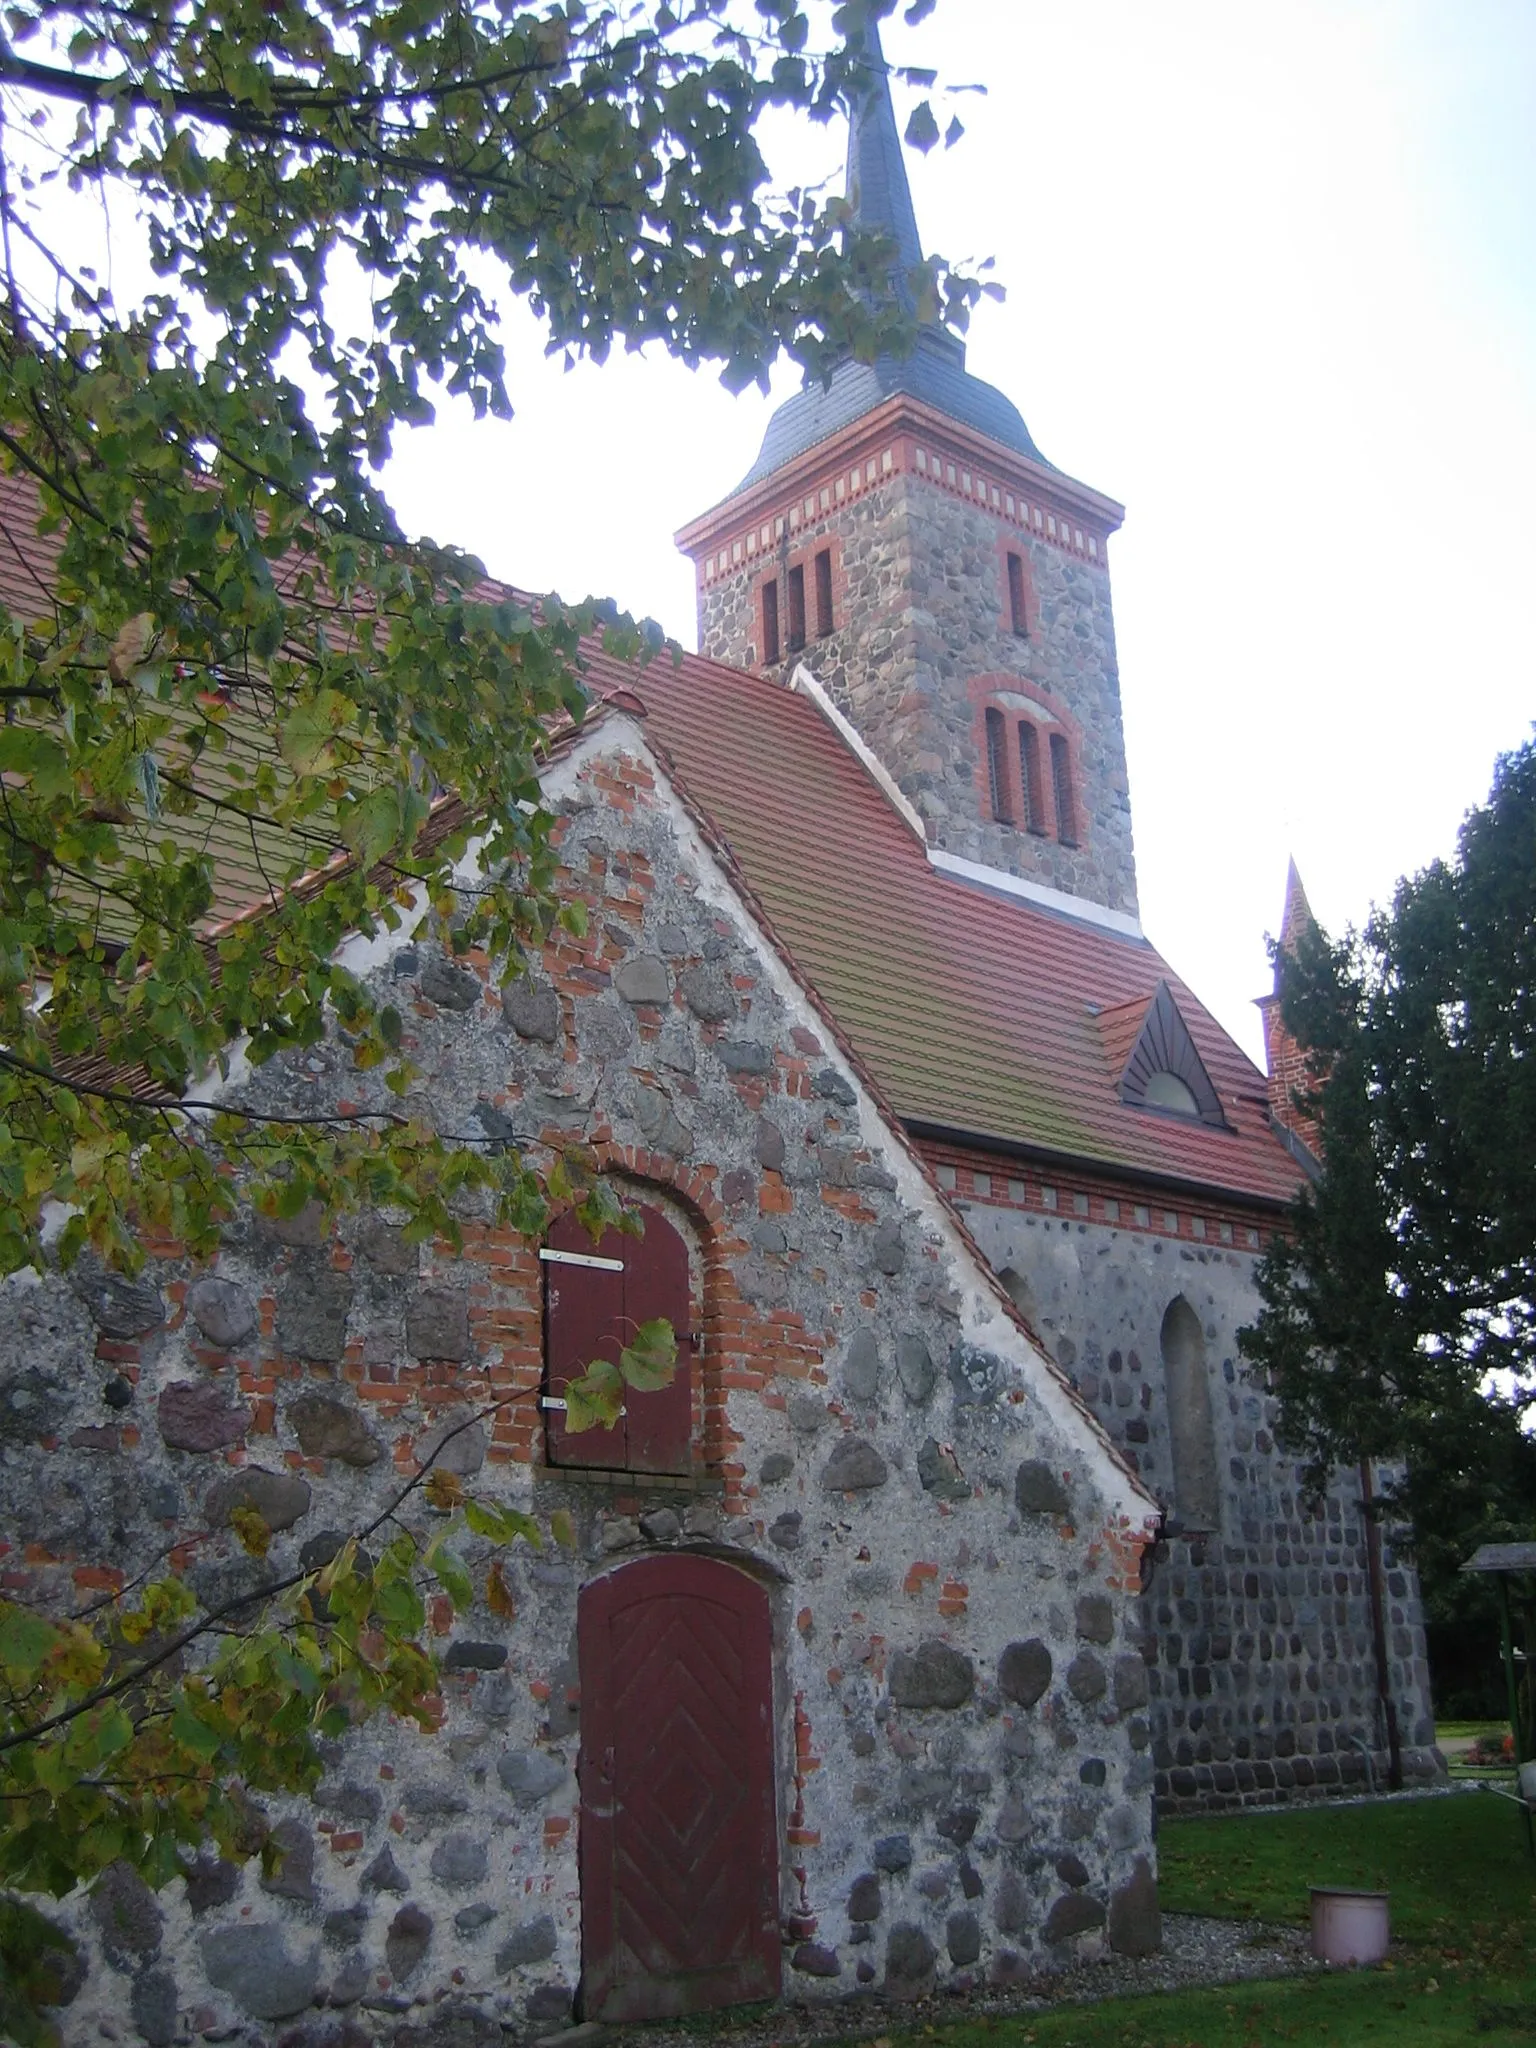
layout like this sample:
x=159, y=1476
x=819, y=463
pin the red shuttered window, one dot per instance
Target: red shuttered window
x=595, y=1298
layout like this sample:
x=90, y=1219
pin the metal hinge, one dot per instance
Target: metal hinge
x=554, y=1258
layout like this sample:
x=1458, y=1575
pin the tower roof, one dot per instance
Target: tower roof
x=881, y=200
x=875, y=184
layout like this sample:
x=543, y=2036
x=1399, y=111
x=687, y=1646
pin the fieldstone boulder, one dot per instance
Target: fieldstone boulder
x=278, y=1497
x=909, y=1961
x=532, y=1010
x=886, y=1251
x=407, y=1942
x=384, y=1874
x=962, y=1937
x=1024, y=1672
x=118, y=1306
x=932, y=1675
x=1095, y=1618
x=127, y=1916
x=437, y=1324
x=864, y=1898
x=643, y=979
x=1010, y=1904
x=470, y=1919
x=915, y=1369
x=210, y=1882
x=1038, y=1491
x=1135, y=1921
x=293, y=1871
x=1073, y=1913
x=457, y=1443
x=201, y=1415
x=385, y=1246
x=812, y=1960
x=328, y=1427
x=534, y=1941
x=861, y=1367
x=223, y=1310
x=312, y=1311
x=449, y=985
x=471, y=1656
x=977, y=1377
x=854, y=1467
x=939, y=1470
x=768, y=1146
x=459, y=1860
x=349, y=1800
x=776, y=1466
x=254, y=1964
x=893, y=1853
x=1131, y=1685
x=530, y=1774
x=708, y=994
x=1086, y=1678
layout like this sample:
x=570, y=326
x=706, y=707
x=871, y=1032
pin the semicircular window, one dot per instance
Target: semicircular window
x=1163, y=1071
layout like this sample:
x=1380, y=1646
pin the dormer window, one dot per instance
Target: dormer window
x=1160, y=1070
x=1167, y=1091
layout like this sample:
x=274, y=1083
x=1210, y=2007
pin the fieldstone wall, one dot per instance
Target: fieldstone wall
x=920, y=596
x=952, y=1550
x=1260, y=1639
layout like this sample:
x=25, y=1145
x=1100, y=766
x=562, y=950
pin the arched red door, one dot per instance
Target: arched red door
x=679, y=1831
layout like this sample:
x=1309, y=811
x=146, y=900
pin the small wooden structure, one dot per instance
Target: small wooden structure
x=1504, y=1559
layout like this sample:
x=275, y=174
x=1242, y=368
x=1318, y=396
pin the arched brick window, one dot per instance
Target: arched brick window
x=997, y=765
x=595, y=1298
x=1062, y=791
x=1029, y=778
x=1196, y=1490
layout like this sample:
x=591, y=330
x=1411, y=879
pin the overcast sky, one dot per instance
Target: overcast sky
x=1270, y=283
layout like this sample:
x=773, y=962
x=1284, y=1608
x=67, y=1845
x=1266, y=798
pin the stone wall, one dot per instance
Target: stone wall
x=920, y=598
x=1261, y=1647
x=951, y=1548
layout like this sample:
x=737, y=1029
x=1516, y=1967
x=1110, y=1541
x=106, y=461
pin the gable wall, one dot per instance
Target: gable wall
x=841, y=1318
x=1262, y=1656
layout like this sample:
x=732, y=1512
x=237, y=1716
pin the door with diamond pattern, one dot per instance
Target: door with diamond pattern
x=679, y=1831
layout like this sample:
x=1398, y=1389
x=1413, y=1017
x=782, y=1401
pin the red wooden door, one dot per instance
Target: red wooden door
x=592, y=1308
x=679, y=1832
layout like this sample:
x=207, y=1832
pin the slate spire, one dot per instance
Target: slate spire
x=876, y=184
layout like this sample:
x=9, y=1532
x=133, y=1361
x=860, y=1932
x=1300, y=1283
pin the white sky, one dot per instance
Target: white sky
x=1272, y=284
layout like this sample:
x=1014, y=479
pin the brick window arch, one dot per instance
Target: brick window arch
x=1026, y=756
x=1063, y=794
x=997, y=765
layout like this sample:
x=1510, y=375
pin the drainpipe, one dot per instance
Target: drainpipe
x=1379, y=1625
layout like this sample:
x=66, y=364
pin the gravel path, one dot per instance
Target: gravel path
x=1195, y=1951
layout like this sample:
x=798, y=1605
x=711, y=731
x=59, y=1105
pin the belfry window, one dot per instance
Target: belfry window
x=1061, y=790
x=997, y=766
x=796, y=608
x=1029, y=778
x=770, y=621
x=1018, y=609
x=823, y=593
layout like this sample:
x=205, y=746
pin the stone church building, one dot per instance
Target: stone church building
x=963, y=1530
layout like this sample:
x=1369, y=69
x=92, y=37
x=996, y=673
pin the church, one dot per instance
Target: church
x=961, y=1543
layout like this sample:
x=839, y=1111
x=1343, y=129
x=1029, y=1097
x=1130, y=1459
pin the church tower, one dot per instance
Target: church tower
x=902, y=537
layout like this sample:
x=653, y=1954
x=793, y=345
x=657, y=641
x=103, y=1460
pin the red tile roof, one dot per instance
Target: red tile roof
x=978, y=1014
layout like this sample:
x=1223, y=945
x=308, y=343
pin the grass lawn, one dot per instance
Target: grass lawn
x=1463, y=1911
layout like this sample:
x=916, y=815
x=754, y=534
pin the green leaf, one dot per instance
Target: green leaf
x=595, y=1400
x=25, y=1640
x=922, y=129
x=452, y=1575
x=650, y=1361
x=499, y=1524
x=193, y=1733
x=306, y=738
x=35, y=757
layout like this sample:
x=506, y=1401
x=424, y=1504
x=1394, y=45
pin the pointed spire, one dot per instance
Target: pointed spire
x=1298, y=912
x=876, y=186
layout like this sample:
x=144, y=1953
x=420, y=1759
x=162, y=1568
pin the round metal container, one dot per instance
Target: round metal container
x=1349, y=1926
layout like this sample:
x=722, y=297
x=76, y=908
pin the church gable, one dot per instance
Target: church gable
x=873, y=1525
